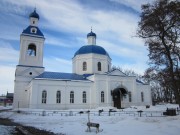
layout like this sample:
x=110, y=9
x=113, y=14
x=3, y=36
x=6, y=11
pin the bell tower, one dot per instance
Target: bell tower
x=32, y=43
x=30, y=61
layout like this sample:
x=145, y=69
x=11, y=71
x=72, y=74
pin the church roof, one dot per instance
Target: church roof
x=91, y=49
x=140, y=82
x=91, y=34
x=61, y=76
x=27, y=31
x=34, y=14
x=9, y=95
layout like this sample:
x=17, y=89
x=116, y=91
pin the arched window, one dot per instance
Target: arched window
x=33, y=30
x=44, y=97
x=99, y=66
x=71, y=97
x=142, y=96
x=31, y=50
x=84, y=66
x=58, y=97
x=84, y=97
x=102, y=96
x=130, y=96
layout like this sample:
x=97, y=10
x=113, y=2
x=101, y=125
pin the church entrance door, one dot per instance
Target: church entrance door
x=117, y=95
x=117, y=99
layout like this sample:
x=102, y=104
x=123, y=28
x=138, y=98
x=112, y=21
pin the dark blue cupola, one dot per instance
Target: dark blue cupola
x=91, y=34
x=91, y=37
x=91, y=58
x=34, y=14
x=91, y=47
x=94, y=49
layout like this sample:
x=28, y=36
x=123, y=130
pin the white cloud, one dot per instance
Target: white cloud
x=70, y=16
x=7, y=79
x=57, y=64
x=114, y=31
x=138, y=67
x=7, y=53
x=8, y=60
x=121, y=50
x=136, y=5
x=52, y=40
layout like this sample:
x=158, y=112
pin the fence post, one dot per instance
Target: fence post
x=140, y=113
x=43, y=113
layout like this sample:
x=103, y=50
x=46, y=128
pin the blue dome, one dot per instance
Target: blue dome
x=34, y=14
x=91, y=49
x=91, y=34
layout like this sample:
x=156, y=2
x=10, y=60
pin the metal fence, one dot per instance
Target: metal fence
x=98, y=113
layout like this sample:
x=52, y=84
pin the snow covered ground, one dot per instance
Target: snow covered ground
x=5, y=108
x=6, y=130
x=111, y=125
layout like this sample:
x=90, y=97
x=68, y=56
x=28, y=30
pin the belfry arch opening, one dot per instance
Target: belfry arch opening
x=117, y=95
x=31, y=50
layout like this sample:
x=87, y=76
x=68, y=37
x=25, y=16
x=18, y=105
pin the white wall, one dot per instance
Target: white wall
x=93, y=88
x=147, y=95
x=21, y=84
x=91, y=60
x=65, y=87
x=109, y=83
x=25, y=59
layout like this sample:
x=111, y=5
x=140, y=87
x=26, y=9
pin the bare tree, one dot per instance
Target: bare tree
x=160, y=28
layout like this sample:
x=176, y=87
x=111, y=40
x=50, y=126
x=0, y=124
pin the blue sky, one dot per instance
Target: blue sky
x=65, y=25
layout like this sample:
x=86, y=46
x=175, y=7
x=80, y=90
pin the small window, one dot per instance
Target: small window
x=130, y=96
x=102, y=96
x=84, y=97
x=33, y=22
x=142, y=96
x=58, y=97
x=99, y=66
x=71, y=97
x=44, y=97
x=33, y=30
x=31, y=50
x=84, y=66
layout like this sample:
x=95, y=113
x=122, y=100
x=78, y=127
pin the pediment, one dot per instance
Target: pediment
x=117, y=72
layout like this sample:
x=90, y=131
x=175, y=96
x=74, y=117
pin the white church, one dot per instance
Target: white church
x=91, y=84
